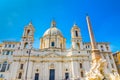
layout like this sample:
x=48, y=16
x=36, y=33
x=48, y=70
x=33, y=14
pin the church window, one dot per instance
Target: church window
x=4, y=66
x=52, y=44
x=20, y=75
x=66, y=69
x=80, y=65
x=37, y=70
x=9, y=45
x=21, y=66
x=82, y=74
x=78, y=45
x=76, y=33
x=28, y=32
x=26, y=45
x=101, y=46
x=7, y=52
x=107, y=48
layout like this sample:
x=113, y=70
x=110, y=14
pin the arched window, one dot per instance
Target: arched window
x=4, y=66
x=26, y=45
x=7, y=52
x=20, y=75
x=80, y=65
x=107, y=47
x=101, y=46
x=82, y=74
x=66, y=69
x=52, y=44
x=76, y=33
x=28, y=32
x=78, y=46
x=21, y=66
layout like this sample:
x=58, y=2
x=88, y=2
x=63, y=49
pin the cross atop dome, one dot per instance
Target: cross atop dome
x=53, y=24
x=30, y=23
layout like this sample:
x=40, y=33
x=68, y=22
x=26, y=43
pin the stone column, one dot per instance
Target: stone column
x=73, y=70
x=14, y=70
x=29, y=75
x=60, y=70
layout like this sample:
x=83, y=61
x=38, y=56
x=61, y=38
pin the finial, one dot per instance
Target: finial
x=53, y=23
x=30, y=23
x=75, y=24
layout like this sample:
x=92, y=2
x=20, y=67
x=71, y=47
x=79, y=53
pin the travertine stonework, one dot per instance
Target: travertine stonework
x=117, y=60
x=20, y=61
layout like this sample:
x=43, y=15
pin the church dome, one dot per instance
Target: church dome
x=52, y=30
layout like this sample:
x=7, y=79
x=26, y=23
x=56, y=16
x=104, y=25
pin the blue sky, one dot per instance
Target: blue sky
x=104, y=14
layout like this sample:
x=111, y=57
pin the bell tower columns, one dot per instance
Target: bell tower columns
x=76, y=38
x=28, y=37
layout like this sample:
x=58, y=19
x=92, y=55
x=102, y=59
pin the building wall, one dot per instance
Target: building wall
x=42, y=62
x=61, y=65
x=76, y=62
x=117, y=60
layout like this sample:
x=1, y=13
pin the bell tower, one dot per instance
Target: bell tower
x=28, y=37
x=76, y=38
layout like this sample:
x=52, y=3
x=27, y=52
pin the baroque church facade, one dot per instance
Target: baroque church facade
x=52, y=61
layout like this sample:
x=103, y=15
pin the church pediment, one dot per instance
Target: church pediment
x=52, y=55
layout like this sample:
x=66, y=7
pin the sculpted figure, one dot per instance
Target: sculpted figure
x=97, y=71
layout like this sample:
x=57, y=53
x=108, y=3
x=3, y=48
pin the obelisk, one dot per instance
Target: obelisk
x=95, y=52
